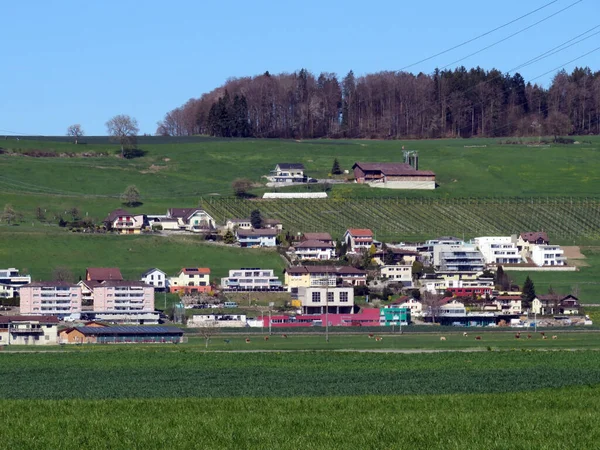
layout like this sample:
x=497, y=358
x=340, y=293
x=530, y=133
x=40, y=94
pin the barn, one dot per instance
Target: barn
x=120, y=335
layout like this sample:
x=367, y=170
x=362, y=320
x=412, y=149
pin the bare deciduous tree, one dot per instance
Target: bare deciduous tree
x=124, y=130
x=9, y=215
x=76, y=131
x=241, y=186
x=62, y=273
x=431, y=304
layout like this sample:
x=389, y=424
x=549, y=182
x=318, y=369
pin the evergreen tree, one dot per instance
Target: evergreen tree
x=256, y=219
x=389, y=257
x=528, y=291
x=335, y=169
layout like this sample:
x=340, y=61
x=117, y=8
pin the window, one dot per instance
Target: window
x=343, y=296
x=316, y=297
x=330, y=296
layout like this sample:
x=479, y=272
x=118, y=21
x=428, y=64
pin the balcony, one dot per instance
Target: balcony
x=22, y=330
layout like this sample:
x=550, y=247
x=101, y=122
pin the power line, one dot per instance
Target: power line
x=512, y=35
x=479, y=37
x=562, y=65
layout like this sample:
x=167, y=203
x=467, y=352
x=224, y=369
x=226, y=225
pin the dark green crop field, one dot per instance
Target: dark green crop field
x=171, y=397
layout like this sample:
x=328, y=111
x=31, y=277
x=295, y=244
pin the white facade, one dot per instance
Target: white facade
x=415, y=307
x=548, y=255
x=257, y=238
x=218, y=320
x=28, y=330
x=498, y=249
x=156, y=278
x=398, y=273
x=287, y=173
x=11, y=281
x=251, y=279
x=457, y=258
x=308, y=250
x=316, y=299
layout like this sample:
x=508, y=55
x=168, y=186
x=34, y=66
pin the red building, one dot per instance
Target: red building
x=469, y=291
x=367, y=317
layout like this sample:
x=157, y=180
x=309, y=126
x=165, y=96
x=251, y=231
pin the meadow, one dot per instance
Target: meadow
x=171, y=397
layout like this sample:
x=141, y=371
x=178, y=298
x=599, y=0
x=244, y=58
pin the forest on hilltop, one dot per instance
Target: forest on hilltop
x=390, y=105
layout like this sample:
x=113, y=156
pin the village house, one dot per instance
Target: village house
x=124, y=222
x=58, y=298
x=321, y=237
x=314, y=250
x=187, y=219
x=358, y=239
x=257, y=238
x=399, y=256
x=398, y=274
x=393, y=175
x=251, y=279
x=11, y=281
x=287, y=173
x=191, y=280
x=554, y=304
x=547, y=255
x=410, y=303
x=156, y=278
x=101, y=274
x=28, y=330
x=509, y=304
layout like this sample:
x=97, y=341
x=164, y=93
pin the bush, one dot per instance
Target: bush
x=130, y=153
x=157, y=227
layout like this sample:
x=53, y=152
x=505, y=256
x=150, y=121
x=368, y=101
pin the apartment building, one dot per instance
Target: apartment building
x=123, y=297
x=57, y=298
x=398, y=274
x=322, y=299
x=498, y=249
x=461, y=258
x=251, y=279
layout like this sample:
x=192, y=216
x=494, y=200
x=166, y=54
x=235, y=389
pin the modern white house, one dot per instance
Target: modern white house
x=287, y=173
x=11, y=281
x=156, y=278
x=184, y=219
x=548, y=255
x=246, y=224
x=398, y=274
x=319, y=299
x=257, y=238
x=251, y=279
x=56, y=298
x=498, y=249
x=461, y=258
x=321, y=250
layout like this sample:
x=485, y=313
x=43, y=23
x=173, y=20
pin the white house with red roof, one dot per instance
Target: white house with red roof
x=358, y=239
x=125, y=222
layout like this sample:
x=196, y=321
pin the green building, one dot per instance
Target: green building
x=394, y=315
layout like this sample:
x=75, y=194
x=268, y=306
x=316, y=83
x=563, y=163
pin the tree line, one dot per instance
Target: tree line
x=388, y=105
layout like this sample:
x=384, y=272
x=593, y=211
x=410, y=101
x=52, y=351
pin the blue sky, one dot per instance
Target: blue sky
x=66, y=61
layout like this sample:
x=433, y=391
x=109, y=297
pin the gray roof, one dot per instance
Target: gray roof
x=129, y=330
x=149, y=271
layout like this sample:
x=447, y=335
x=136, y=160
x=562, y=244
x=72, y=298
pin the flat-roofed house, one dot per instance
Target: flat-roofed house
x=28, y=330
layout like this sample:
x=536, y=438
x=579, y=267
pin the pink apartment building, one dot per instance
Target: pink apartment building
x=123, y=296
x=56, y=298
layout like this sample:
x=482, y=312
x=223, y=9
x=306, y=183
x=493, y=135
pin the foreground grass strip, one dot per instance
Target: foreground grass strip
x=547, y=419
x=162, y=373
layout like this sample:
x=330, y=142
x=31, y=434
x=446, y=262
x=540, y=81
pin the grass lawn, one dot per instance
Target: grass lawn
x=39, y=252
x=170, y=397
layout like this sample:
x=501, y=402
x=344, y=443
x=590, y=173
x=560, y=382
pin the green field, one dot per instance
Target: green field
x=39, y=251
x=182, y=397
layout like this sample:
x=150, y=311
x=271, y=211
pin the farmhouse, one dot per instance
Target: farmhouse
x=287, y=173
x=188, y=219
x=323, y=237
x=393, y=176
x=555, y=304
x=124, y=222
x=28, y=330
x=191, y=280
x=120, y=335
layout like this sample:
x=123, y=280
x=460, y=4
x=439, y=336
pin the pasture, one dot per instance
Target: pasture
x=173, y=397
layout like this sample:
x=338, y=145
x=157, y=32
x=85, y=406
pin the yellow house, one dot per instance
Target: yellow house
x=296, y=277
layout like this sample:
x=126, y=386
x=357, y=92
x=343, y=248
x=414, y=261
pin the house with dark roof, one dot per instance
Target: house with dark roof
x=156, y=278
x=393, y=175
x=28, y=330
x=121, y=335
x=101, y=274
x=191, y=280
x=313, y=249
x=552, y=304
x=187, y=219
x=323, y=237
x=306, y=276
x=287, y=173
x=124, y=222
x=262, y=237
x=529, y=239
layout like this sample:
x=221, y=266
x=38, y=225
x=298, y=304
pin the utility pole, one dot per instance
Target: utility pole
x=327, y=311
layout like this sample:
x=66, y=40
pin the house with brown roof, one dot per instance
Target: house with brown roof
x=393, y=175
x=28, y=330
x=323, y=237
x=187, y=219
x=125, y=222
x=306, y=276
x=358, y=239
x=552, y=304
x=101, y=274
x=191, y=280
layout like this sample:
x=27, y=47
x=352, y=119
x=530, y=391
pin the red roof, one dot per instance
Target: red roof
x=360, y=232
x=533, y=236
x=103, y=273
